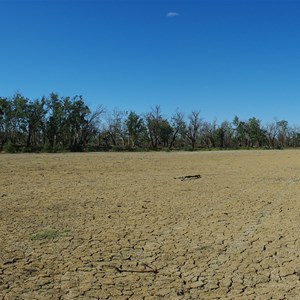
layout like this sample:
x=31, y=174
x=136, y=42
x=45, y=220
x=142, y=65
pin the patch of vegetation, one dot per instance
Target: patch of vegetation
x=76, y=148
x=47, y=148
x=59, y=148
x=31, y=149
x=47, y=234
x=9, y=148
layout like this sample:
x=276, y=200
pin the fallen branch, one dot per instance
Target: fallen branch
x=134, y=271
x=188, y=177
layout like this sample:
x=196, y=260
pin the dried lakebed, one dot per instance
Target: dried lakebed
x=203, y=225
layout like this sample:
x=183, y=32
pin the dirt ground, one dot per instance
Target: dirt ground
x=124, y=226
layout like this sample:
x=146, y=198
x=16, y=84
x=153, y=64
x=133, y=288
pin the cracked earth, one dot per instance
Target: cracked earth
x=125, y=226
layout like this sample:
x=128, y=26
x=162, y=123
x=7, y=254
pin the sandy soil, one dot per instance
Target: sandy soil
x=123, y=226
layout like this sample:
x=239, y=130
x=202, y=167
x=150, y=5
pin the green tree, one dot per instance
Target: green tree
x=166, y=131
x=5, y=120
x=224, y=135
x=67, y=122
x=35, y=115
x=282, y=132
x=241, y=132
x=55, y=119
x=18, y=119
x=255, y=132
x=136, y=129
x=76, y=122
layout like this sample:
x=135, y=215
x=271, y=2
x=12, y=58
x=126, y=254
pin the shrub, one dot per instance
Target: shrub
x=9, y=148
x=58, y=148
x=76, y=148
x=47, y=148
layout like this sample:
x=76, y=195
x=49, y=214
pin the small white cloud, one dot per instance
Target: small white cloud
x=172, y=14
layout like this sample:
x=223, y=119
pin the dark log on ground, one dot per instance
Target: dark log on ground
x=188, y=177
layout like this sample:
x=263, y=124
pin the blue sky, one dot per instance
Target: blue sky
x=224, y=58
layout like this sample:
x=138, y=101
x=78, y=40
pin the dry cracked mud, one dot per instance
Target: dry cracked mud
x=124, y=226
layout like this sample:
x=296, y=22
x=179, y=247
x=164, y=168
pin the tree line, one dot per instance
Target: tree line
x=55, y=124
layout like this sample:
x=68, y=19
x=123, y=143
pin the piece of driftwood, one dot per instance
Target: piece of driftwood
x=188, y=177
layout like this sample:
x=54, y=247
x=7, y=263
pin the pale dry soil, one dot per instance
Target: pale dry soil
x=127, y=228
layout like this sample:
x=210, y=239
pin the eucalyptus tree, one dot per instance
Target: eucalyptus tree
x=36, y=121
x=271, y=134
x=257, y=134
x=91, y=130
x=282, y=132
x=166, y=131
x=76, y=123
x=18, y=123
x=5, y=120
x=224, y=135
x=241, y=134
x=210, y=134
x=153, y=121
x=116, y=127
x=67, y=121
x=277, y=133
x=136, y=129
x=179, y=129
x=55, y=119
x=294, y=136
x=193, y=128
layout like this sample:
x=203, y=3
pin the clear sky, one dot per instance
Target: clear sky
x=224, y=58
